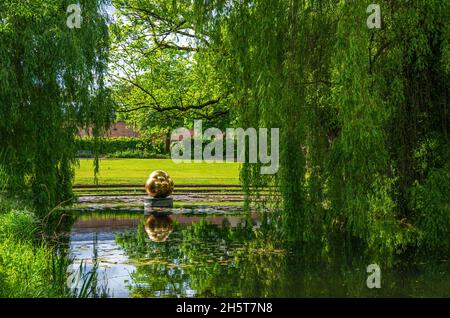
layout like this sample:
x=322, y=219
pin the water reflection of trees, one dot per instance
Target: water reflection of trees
x=207, y=260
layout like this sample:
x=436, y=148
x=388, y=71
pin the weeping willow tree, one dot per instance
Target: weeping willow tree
x=363, y=113
x=51, y=83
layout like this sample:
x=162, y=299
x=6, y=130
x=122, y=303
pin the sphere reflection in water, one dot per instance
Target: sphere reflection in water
x=159, y=184
x=158, y=228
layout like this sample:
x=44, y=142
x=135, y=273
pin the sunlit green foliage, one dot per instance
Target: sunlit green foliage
x=51, y=84
x=164, y=67
x=28, y=268
x=363, y=113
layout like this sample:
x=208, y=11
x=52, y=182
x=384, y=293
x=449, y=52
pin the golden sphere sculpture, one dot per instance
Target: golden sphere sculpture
x=158, y=228
x=159, y=184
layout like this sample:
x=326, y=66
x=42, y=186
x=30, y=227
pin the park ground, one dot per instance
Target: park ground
x=136, y=171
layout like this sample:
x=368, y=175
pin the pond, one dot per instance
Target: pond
x=219, y=254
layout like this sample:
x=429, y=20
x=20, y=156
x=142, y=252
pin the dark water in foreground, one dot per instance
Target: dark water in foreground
x=219, y=256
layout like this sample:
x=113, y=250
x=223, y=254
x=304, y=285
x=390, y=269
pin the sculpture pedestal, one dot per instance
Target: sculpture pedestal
x=158, y=205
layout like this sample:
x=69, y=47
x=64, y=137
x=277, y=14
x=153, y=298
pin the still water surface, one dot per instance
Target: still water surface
x=218, y=255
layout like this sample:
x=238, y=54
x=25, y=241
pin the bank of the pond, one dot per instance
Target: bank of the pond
x=28, y=267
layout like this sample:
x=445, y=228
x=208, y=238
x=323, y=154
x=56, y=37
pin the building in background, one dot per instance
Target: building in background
x=118, y=129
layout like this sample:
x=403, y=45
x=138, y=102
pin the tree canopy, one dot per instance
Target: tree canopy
x=163, y=67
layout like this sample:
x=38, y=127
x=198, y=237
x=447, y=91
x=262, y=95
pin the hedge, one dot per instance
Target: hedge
x=112, y=146
x=128, y=147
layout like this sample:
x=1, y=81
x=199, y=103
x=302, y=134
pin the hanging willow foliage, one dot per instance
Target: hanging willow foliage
x=51, y=84
x=363, y=113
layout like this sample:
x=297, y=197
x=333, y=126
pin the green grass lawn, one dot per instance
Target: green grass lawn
x=136, y=171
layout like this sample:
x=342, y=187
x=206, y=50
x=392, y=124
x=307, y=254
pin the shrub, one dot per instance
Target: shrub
x=136, y=154
x=137, y=146
x=18, y=225
x=27, y=268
